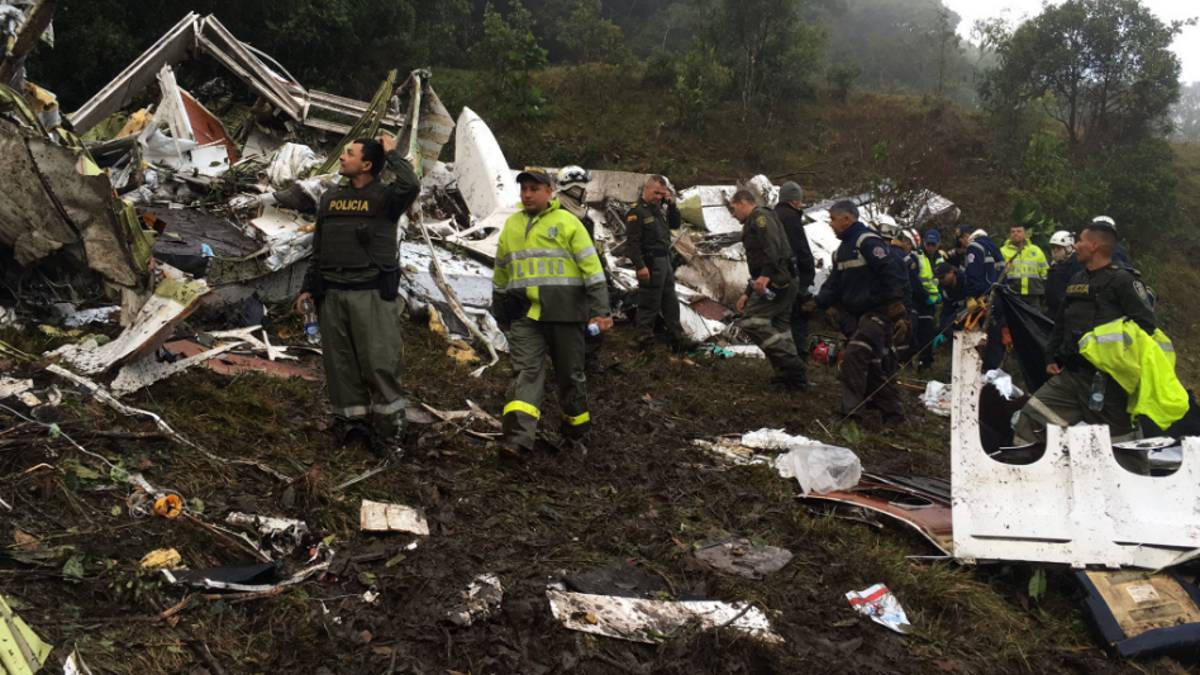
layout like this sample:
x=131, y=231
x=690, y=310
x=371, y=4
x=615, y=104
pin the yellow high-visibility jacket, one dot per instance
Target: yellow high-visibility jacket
x=549, y=264
x=1027, y=268
x=1144, y=366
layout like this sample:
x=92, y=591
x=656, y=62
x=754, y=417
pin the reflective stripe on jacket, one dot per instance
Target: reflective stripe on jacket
x=1144, y=366
x=1027, y=268
x=550, y=261
x=926, y=273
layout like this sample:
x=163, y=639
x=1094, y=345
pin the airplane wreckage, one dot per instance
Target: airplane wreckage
x=158, y=214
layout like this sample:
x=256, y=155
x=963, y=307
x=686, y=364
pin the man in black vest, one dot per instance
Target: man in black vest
x=353, y=276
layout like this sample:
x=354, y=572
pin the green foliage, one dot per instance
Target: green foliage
x=770, y=48
x=1080, y=111
x=1185, y=115
x=903, y=46
x=700, y=82
x=507, y=54
x=1102, y=68
x=587, y=37
x=841, y=78
x=1037, y=584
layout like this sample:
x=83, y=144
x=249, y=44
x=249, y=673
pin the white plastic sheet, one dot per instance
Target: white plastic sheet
x=292, y=162
x=882, y=606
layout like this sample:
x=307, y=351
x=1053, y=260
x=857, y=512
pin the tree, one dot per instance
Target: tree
x=587, y=37
x=507, y=54
x=841, y=78
x=1186, y=114
x=700, y=81
x=1103, y=68
x=769, y=47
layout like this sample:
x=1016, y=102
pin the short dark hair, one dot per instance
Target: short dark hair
x=372, y=151
x=1106, y=236
x=845, y=206
x=744, y=196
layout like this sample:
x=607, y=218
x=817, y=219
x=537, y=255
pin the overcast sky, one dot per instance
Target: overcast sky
x=1187, y=44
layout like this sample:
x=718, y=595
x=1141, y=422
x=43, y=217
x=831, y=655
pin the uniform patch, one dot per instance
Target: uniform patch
x=761, y=220
x=878, y=252
x=970, y=258
x=353, y=205
x=1078, y=289
x=631, y=218
x=553, y=232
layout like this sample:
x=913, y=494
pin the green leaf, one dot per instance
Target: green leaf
x=74, y=567
x=196, y=505
x=116, y=511
x=81, y=471
x=1037, y=584
x=55, y=432
x=366, y=578
x=395, y=560
x=118, y=474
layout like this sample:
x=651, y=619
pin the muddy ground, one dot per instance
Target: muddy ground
x=642, y=495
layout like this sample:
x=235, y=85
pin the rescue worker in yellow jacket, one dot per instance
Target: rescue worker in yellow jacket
x=1026, y=264
x=548, y=289
x=1100, y=293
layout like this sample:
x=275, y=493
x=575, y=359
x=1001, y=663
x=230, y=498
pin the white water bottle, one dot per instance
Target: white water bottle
x=593, y=329
x=312, y=328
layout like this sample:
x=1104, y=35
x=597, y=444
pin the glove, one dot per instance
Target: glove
x=939, y=340
x=975, y=304
x=896, y=311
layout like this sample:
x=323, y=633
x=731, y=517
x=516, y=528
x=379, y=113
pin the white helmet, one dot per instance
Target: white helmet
x=1105, y=220
x=570, y=176
x=911, y=236
x=1062, y=238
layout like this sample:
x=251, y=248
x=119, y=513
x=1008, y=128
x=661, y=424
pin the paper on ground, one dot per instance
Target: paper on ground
x=878, y=603
x=383, y=517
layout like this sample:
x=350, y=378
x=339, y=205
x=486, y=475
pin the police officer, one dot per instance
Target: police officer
x=790, y=213
x=547, y=284
x=867, y=286
x=1026, y=265
x=925, y=297
x=353, y=276
x=1065, y=266
x=572, y=184
x=648, y=239
x=1102, y=292
x=1120, y=255
x=931, y=241
x=766, y=306
x=983, y=265
x=905, y=338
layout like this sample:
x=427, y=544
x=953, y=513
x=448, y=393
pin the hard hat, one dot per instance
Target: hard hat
x=1105, y=220
x=911, y=236
x=1062, y=238
x=570, y=176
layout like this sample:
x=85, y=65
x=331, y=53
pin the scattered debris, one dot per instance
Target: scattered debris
x=937, y=398
x=922, y=504
x=744, y=558
x=818, y=467
x=878, y=603
x=163, y=558
x=75, y=665
x=1139, y=615
x=481, y=599
x=383, y=517
x=1075, y=504
x=282, y=535
x=653, y=621
x=22, y=652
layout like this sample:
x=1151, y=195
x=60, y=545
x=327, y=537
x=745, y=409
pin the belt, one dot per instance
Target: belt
x=371, y=285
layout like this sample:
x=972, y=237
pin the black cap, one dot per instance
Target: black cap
x=537, y=175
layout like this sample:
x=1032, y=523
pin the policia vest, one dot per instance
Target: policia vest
x=358, y=230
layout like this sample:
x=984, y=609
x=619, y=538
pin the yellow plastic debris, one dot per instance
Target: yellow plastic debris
x=136, y=123
x=22, y=652
x=163, y=558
